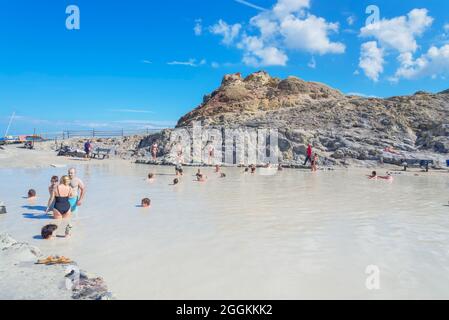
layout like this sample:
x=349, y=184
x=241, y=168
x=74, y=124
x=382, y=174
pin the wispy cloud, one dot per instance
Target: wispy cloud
x=198, y=28
x=131, y=111
x=251, y=5
x=147, y=61
x=189, y=63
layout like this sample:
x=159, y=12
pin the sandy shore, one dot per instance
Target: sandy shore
x=12, y=156
x=18, y=270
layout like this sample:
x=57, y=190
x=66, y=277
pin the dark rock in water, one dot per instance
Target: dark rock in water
x=2, y=208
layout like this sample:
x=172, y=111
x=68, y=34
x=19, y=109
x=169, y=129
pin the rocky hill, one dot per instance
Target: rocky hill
x=340, y=127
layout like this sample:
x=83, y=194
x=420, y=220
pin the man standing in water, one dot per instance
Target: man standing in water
x=78, y=190
x=309, y=154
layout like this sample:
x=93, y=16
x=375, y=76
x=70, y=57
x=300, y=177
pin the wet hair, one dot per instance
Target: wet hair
x=150, y=175
x=146, y=202
x=65, y=180
x=176, y=181
x=246, y=169
x=54, y=179
x=223, y=175
x=31, y=193
x=253, y=169
x=48, y=230
x=374, y=173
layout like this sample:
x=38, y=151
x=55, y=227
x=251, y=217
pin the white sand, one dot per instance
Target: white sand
x=293, y=235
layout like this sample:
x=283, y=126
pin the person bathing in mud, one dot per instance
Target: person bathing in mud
x=145, y=203
x=151, y=177
x=53, y=184
x=314, y=163
x=154, y=151
x=78, y=190
x=61, y=194
x=374, y=176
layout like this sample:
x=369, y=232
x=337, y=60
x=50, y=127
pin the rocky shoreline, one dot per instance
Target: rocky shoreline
x=18, y=270
x=344, y=130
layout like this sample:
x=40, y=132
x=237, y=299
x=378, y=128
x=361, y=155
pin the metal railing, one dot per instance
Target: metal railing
x=67, y=134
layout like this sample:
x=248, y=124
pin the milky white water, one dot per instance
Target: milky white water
x=292, y=235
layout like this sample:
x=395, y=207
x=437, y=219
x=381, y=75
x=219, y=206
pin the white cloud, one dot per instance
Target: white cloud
x=312, y=63
x=256, y=53
x=446, y=27
x=397, y=35
x=198, y=28
x=350, y=20
x=310, y=35
x=189, y=63
x=251, y=5
x=284, y=8
x=400, y=33
x=229, y=32
x=288, y=25
x=372, y=60
x=358, y=94
x=131, y=110
x=434, y=63
x=146, y=61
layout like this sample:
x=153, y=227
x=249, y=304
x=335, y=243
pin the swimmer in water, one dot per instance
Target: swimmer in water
x=201, y=178
x=151, y=177
x=222, y=175
x=175, y=181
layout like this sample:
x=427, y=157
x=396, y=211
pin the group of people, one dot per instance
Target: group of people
x=66, y=194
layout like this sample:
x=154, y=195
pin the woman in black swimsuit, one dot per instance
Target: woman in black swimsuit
x=61, y=195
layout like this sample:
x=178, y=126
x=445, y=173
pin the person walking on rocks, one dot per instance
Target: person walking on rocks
x=309, y=154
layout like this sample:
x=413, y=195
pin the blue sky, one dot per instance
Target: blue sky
x=140, y=63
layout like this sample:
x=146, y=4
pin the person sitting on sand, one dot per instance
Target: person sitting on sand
x=146, y=203
x=47, y=231
x=61, y=195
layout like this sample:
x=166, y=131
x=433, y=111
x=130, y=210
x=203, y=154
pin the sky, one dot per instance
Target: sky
x=143, y=64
